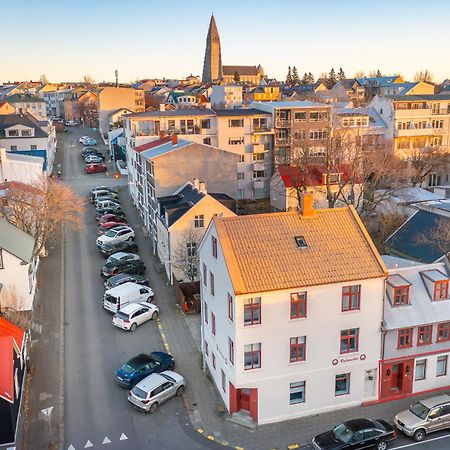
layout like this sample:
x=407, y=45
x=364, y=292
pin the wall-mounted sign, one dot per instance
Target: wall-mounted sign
x=347, y=359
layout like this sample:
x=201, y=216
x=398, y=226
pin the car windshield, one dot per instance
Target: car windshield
x=127, y=369
x=122, y=316
x=111, y=233
x=342, y=433
x=139, y=392
x=419, y=410
x=167, y=377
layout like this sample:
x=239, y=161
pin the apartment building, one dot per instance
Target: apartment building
x=28, y=103
x=26, y=135
x=291, y=310
x=160, y=167
x=416, y=122
x=111, y=98
x=416, y=329
x=298, y=125
x=226, y=96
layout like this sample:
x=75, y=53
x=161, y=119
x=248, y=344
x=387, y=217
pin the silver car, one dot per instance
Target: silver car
x=424, y=417
x=155, y=389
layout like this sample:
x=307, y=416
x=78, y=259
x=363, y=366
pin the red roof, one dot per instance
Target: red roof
x=7, y=368
x=292, y=175
x=8, y=329
x=153, y=144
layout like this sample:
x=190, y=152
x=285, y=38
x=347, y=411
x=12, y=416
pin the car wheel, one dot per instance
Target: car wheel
x=382, y=445
x=180, y=390
x=154, y=407
x=130, y=239
x=155, y=315
x=133, y=327
x=419, y=435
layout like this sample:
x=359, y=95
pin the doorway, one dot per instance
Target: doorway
x=396, y=377
x=244, y=399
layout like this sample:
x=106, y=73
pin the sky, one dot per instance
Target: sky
x=66, y=40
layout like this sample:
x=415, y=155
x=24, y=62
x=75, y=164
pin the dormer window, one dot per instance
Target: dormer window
x=13, y=133
x=440, y=290
x=436, y=283
x=401, y=295
x=397, y=289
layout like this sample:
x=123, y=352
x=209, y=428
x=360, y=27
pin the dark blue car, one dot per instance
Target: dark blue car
x=143, y=365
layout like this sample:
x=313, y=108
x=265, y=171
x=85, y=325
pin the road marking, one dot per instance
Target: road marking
x=88, y=444
x=123, y=437
x=199, y=430
x=71, y=447
x=293, y=446
x=211, y=437
x=225, y=443
x=163, y=336
x=238, y=448
x=106, y=440
x=422, y=442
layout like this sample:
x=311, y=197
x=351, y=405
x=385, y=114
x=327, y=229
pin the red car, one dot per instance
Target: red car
x=95, y=168
x=111, y=218
x=104, y=227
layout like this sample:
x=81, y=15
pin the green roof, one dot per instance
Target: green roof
x=24, y=98
x=16, y=241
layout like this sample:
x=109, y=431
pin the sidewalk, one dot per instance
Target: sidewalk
x=181, y=335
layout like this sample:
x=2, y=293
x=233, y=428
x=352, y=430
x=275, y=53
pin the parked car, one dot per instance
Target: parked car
x=142, y=366
x=89, y=141
x=104, y=227
x=97, y=158
x=123, y=278
x=111, y=218
x=71, y=123
x=104, y=194
x=108, y=210
x=424, y=417
x=124, y=246
x=116, y=298
x=123, y=256
x=356, y=434
x=132, y=315
x=113, y=268
x=157, y=388
x=106, y=203
x=82, y=139
x=95, y=168
x=120, y=233
x=103, y=188
x=89, y=151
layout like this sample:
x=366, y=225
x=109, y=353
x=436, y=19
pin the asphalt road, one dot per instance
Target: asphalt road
x=96, y=410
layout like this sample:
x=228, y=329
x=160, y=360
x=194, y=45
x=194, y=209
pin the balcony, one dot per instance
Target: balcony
x=282, y=123
x=258, y=184
x=440, y=112
x=412, y=113
x=414, y=132
x=282, y=142
x=262, y=129
x=258, y=165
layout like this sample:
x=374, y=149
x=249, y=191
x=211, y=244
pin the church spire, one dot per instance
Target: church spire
x=212, y=64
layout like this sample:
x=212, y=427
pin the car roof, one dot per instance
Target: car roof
x=435, y=400
x=130, y=308
x=119, y=255
x=359, y=424
x=151, y=382
x=124, y=288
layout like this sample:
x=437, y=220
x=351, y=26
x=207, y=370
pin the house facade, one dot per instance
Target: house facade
x=22, y=168
x=269, y=283
x=416, y=329
x=28, y=103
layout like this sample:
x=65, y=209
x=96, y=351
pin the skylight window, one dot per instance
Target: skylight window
x=301, y=242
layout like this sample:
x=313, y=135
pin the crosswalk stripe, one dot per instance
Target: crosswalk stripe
x=88, y=444
x=106, y=440
x=123, y=437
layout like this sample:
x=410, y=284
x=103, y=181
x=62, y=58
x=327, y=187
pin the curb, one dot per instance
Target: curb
x=62, y=343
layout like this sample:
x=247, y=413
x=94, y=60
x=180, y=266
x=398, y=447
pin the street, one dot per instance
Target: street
x=96, y=408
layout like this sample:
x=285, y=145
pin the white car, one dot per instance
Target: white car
x=82, y=138
x=93, y=159
x=134, y=314
x=116, y=234
x=100, y=204
x=71, y=123
x=123, y=256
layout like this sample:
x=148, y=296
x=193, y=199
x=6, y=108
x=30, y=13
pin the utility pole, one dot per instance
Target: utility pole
x=117, y=77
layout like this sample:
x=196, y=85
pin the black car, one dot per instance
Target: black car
x=142, y=366
x=109, y=210
x=122, y=278
x=115, y=267
x=108, y=249
x=356, y=434
x=90, y=151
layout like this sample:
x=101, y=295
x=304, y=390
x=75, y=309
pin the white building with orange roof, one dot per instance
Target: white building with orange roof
x=292, y=306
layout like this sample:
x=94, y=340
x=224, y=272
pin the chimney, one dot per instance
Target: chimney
x=162, y=107
x=306, y=204
x=202, y=187
x=196, y=183
x=162, y=133
x=174, y=139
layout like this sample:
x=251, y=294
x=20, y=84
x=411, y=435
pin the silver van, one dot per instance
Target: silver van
x=424, y=417
x=155, y=389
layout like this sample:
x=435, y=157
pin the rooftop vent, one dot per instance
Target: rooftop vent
x=300, y=241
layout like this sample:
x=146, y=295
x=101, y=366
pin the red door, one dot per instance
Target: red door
x=396, y=377
x=244, y=399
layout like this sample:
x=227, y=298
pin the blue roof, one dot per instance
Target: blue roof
x=407, y=242
x=165, y=148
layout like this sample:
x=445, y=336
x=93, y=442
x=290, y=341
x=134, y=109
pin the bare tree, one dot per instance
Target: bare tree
x=87, y=79
x=360, y=74
x=43, y=79
x=425, y=160
x=186, y=257
x=11, y=306
x=438, y=237
x=41, y=208
x=424, y=75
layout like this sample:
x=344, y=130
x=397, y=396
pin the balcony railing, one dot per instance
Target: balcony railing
x=282, y=123
x=258, y=184
x=282, y=141
x=440, y=112
x=414, y=132
x=258, y=165
x=262, y=129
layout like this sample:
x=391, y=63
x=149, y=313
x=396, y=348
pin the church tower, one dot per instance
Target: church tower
x=212, y=65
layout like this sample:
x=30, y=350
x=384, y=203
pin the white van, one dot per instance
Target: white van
x=100, y=204
x=116, y=298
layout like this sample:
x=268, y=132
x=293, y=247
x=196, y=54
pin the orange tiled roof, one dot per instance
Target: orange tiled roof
x=261, y=253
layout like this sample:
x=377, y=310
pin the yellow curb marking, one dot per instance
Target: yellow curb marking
x=224, y=443
x=163, y=336
x=199, y=430
x=238, y=448
x=293, y=446
x=211, y=437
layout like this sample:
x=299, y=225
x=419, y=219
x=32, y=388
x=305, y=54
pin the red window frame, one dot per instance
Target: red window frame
x=440, y=290
x=214, y=246
x=252, y=308
x=347, y=336
x=205, y=275
x=213, y=323
x=211, y=282
x=405, y=334
x=424, y=335
x=443, y=332
x=347, y=294
x=230, y=306
x=205, y=307
x=253, y=352
x=399, y=293
x=297, y=349
x=299, y=302
x=231, y=350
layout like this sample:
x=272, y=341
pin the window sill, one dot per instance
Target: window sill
x=252, y=370
x=297, y=363
x=251, y=325
x=297, y=319
x=350, y=311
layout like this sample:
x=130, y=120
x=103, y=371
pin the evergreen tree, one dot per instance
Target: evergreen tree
x=341, y=74
x=295, y=77
x=289, y=75
x=236, y=77
x=332, y=77
x=310, y=78
x=305, y=78
x=379, y=74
